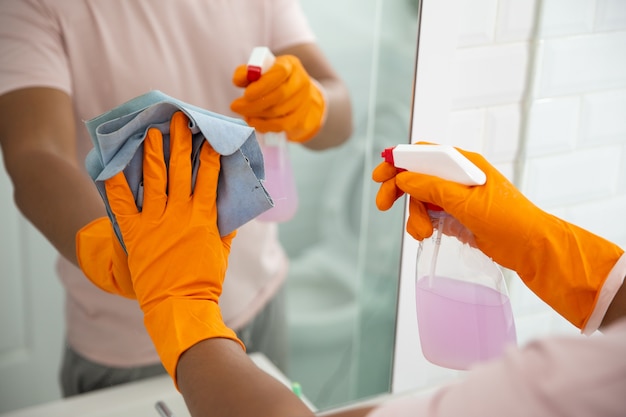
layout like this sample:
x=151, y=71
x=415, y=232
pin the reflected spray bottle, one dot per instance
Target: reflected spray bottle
x=279, y=179
x=464, y=313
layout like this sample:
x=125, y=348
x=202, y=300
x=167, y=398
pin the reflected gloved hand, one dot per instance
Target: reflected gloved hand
x=563, y=264
x=285, y=99
x=176, y=257
x=102, y=258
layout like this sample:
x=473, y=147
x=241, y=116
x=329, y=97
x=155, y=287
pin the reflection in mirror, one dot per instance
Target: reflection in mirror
x=344, y=253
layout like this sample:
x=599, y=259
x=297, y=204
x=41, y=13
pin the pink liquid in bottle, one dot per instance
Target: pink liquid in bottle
x=461, y=323
x=279, y=181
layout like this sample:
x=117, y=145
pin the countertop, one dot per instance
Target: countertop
x=136, y=399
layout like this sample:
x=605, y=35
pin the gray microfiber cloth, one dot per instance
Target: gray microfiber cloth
x=118, y=137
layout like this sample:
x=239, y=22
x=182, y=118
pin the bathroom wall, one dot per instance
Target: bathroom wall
x=538, y=87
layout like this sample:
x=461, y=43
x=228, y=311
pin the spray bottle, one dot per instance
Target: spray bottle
x=464, y=313
x=279, y=180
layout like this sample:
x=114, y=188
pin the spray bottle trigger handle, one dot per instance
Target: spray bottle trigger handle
x=387, y=155
x=254, y=73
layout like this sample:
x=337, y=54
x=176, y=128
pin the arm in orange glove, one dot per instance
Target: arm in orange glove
x=576, y=272
x=177, y=261
x=176, y=257
x=300, y=95
x=102, y=259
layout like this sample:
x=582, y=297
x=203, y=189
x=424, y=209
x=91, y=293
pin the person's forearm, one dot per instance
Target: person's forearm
x=56, y=197
x=217, y=378
x=617, y=308
x=38, y=138
x=338, y=125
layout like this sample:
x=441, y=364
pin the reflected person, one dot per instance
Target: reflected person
x=64, y=62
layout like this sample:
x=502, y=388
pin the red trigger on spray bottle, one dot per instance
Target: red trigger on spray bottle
x=261, y=59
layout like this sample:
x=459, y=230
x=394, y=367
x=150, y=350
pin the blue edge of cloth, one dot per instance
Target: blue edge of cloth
x=118, y=136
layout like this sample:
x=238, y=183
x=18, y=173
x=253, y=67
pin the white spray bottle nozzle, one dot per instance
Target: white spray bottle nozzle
x=261, y=59
x=442, y=161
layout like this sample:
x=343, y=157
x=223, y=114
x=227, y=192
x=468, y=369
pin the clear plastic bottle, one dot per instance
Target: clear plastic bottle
x=464, y=312
x=279, y=179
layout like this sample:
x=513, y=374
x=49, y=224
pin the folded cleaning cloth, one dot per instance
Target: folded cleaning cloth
x=118, y=137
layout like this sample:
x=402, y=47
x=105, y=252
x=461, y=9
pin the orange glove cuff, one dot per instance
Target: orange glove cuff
x=567, y=269
x=176, y=324
x=605, y=296
x=102, y=259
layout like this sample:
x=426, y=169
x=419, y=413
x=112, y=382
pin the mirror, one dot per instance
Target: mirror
x=344, y=253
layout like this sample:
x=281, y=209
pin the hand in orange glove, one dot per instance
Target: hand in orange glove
x=563, y=264
x=285, y=99
x=102, y=258
x=176, y=256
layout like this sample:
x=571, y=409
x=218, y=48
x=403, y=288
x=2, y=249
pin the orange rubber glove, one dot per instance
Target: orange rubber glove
x=285, y=99
x=102, y=258
x=176, y=256
x=561, y=263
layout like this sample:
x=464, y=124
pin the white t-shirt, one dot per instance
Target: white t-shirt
x=560, y=376
x=105, y=52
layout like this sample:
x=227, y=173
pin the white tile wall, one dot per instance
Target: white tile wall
x=610, y=15
x=572, y=178
x=477, y=27
x=620, y=187
x=579, y=64
x=550, y=126
x=543, y=80
x=515, y=20
x=489, y=75
x=566, y=17
x=466, y=129
x=603, y=118
x=574, y=132
x=502, y=130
